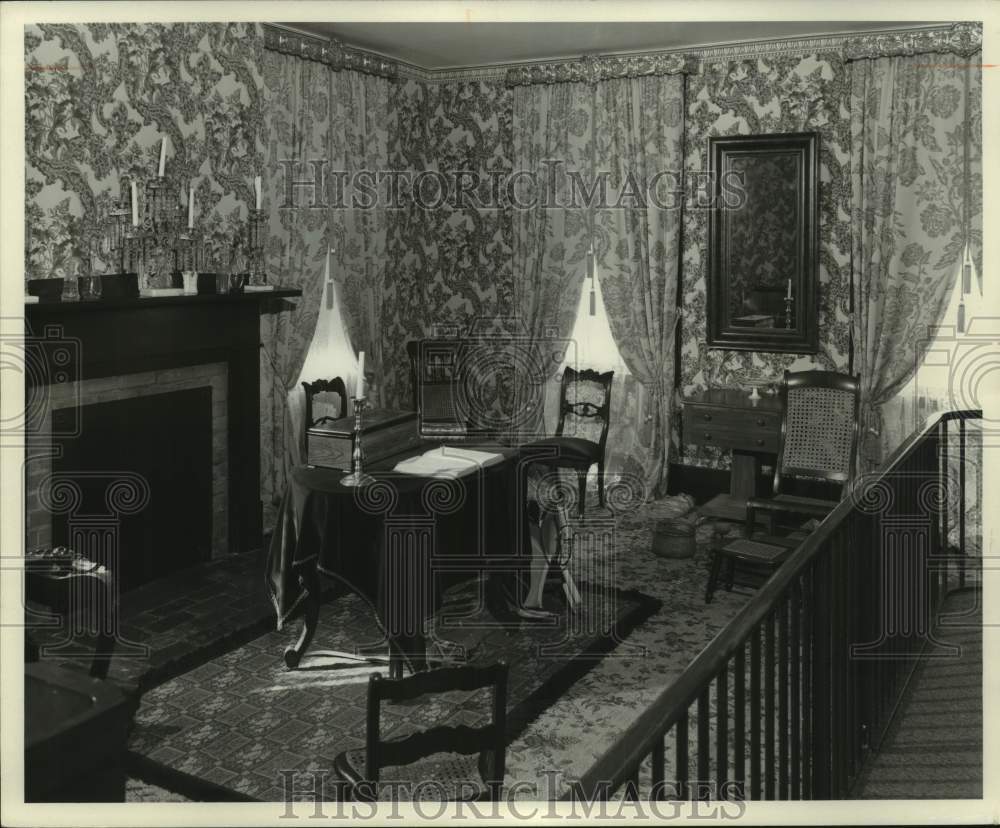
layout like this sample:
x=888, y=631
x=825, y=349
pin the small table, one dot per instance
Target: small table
x=83, y=593
x=729, y=419
x=75, y=736
x=395, y=542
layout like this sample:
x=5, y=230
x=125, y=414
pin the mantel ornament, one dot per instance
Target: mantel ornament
x=331, y=52
x=962, y=39
x=595, y=68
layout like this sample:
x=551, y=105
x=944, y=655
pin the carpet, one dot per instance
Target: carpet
x=225, y=730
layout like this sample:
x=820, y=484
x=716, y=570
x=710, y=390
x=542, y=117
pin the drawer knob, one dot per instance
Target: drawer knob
x=761, y=421
x=708, y=435
x=706, y=416
x=760, y=442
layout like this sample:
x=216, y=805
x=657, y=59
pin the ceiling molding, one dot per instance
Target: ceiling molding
x=850, y=45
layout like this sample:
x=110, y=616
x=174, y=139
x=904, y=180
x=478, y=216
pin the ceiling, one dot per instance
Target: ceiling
x=450, y=45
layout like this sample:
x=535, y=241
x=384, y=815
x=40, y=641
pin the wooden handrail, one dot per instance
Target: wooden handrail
x=643, y=736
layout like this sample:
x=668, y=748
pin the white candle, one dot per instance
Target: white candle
x=327, y=280
x=256, y=189
x=135, y=205
x=191, y=206
x=163, y=155
x=360, y=391
x=789, y=294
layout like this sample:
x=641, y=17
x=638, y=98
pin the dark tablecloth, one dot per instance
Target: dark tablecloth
x=399, y=541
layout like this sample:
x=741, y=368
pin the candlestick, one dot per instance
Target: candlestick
x=191, y=206
x=360, y=393
x=357, y=477
x=789, y=294
x=135, y=205
x=163, y=156
x=256, y=189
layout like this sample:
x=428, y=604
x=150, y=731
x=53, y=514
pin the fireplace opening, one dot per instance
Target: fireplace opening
x=167, y=439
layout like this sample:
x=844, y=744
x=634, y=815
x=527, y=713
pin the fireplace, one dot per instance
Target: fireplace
x=161, y=439
x=142, y=425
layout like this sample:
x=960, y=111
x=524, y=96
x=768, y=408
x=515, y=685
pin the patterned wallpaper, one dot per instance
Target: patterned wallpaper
x=448, y=267
x=100, y=97
x=768, y=94
x=98, y=100
x=455, y=265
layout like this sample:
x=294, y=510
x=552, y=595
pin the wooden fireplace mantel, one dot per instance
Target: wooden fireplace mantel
x=126, y=336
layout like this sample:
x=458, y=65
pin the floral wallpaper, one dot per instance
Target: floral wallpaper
x=768, y=94
x=448, y=268
x=99, y=98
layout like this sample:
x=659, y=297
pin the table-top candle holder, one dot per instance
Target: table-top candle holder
x=358, y=477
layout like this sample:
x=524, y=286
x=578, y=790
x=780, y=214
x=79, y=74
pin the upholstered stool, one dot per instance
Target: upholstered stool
x=766, y=552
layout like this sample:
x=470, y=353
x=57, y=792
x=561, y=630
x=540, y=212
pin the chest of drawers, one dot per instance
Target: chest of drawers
x=728, y=419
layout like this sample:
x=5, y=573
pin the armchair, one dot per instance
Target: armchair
x=818, y=441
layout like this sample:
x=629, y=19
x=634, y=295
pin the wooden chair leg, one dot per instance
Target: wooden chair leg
x=730, y=573
x=713, y=576
x=600, y=483
x=581, y=477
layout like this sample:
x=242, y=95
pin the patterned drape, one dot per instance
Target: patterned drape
x=640, y=126
x=316, y=114
x=552, y=131
x=916, y=200
x=298, y=98
x=359, y=139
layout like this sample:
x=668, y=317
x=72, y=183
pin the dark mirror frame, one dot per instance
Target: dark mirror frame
x=803, y=336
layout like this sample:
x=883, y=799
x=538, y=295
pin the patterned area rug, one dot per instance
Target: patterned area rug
x=239, y=720
x=560, y=744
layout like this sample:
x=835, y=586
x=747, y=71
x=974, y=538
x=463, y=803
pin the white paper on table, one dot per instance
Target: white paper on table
x=447, y=461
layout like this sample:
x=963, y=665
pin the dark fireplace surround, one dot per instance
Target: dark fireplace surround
x=151, y=378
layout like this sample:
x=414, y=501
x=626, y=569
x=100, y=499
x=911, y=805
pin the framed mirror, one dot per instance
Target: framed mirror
x=763, y=239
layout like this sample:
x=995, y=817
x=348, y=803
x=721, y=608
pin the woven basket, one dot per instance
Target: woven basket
x=674, y=538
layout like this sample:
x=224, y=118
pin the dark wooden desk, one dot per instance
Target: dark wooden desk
x=729, y=419
x=395, y=543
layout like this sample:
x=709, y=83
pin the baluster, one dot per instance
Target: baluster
x=755, y=714
x=838, y=662
x=769, y=718
x=704, y=747
x=783, y=700
x=821, y=679
x=658, y=773
x=681, y=754
x=721, y=731
x=794, y=709
x=739, y=721
x=806, y=599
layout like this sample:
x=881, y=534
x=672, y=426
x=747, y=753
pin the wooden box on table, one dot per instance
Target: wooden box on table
x=384, y=432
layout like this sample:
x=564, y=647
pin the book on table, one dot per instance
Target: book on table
x=448, y=461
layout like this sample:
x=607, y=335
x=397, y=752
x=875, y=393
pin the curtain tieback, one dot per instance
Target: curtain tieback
x=871, y=419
